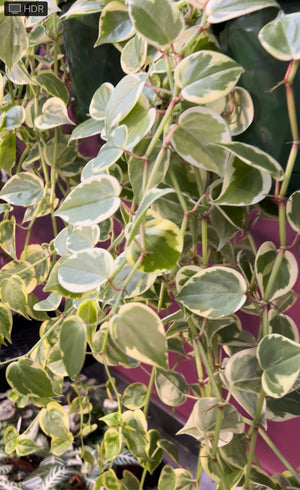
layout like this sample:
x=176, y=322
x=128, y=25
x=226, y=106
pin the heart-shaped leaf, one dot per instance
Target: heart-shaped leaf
x=147, y=18
x=54, y=113
x=85, y=270
x=214, y=292
x=23, y=189
x=114, y=24
x=138, y=332
x=279, y=358
x=238, y=111
x=87, y=128
x=171, y=387
x=13, y=39
x=134, y=54
x=100, y=100
x=206, y=76
x=281, y=37
x=28, y=378
x=92, y=201
x=286, y=274
x=197, y=129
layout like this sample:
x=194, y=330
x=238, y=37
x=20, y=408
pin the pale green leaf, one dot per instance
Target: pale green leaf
x=14, y=294
x=255, y=157
x=286, y=274
x=8, y=152
x=122, y=100
x=222, y=10
x=197, y=129
x=283, y=325
x=83, y=7
x=85, y=270
x=138, y=331
x=51, y=303
x=292, y=211
x=238, y=111
x=134, y=396
x=149, y=198
x=171, y=387
x=23, y=189
x=214, y=292
x=28, y=378
x=202, y=420
x=281, y=37
x=279, y=358
x=92, y=201
x=206, y=76
x=159, y=21
x=111, y=151
x=134, y=54
x=6, y=322
x=7, y=236
x=12, y=118
x=73, y=344
x=86, y=129
x=162, y=242
x=54, y=113
x=54, y=420
x=115, y=24
x=13, y=39
x=100, y=100
x=243, y=185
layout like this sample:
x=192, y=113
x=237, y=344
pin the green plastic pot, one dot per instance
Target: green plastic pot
x=89, y=66
x=270, y=129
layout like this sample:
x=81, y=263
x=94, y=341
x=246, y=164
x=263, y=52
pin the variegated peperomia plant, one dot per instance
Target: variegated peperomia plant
x=156, y=253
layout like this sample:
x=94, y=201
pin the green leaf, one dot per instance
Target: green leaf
x=23, y=189
x=214, y=292
x=92, y=201
x=7, y=236
x=167, y=479
x=112, y=443
x=28, y=378
x=14, y=294
x=238, y=111
x=53, y=85
x=51, y=303
x=10, y=439
x=281, y=37
x=292, y=211
x=114, y=25
x=129, y=481
x=243, y=185
x=86, y=129
x=149, y=198
x=59, y=445
x=54, y=420
x=159, y=21
x=73, y=344
x=171, y=387
x=108, y=480
x=135, y=432
x=139, y=122
x=39, y=258
x=283, y=325
x=122, y=100
x=139, y=333
x=243, y=372
x=83, y=7
x=202, y=420
x=25, y=445
x=6, y=322
x=286, y=274
x=111, y=151
x=279, y=358
x=13, y=39
x=170, y=448
x=134, y=54
x=222, y=10
x=85, y=270
x=54, y=113
x=73, y=239
x=100, y=100
x=206, y=76
x=192, y=137
x=12, y=118
x=162, y=244
x=134, y=396
x=255, y=157
x=8, y=152
x=284, y=408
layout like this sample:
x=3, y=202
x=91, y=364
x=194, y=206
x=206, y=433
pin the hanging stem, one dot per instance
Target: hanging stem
x=204, y=240
x=149, y=391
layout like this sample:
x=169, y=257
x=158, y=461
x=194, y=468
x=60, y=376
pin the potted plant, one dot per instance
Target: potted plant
x=154, y=263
